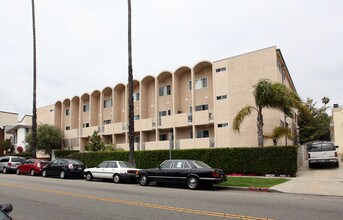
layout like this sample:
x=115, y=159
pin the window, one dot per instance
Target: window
x=67, y=128
x=221, y=69
x=67, y=112
x=190, y=85
x=163, y=137
x=202, y=134
x=223, y=125
x=112, y=165
x=221, y=97
x=164, y=113
x=200, y=83
x=106, y=122
x=136, y=139
x=85, y=125
x=165, y=90
x=103, y=164
x=136, y=117
x=107, y=103
x=86, y=108
x=166, y=164
x=136, y=96
x=201, y=107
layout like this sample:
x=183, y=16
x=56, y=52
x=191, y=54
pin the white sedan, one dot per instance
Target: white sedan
x=112, y=169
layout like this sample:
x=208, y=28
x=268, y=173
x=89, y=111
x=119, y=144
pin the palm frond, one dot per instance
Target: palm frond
x=238, y=120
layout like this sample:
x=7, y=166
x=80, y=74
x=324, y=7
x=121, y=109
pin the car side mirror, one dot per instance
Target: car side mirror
x=159, y=167
x=7, y=208
x=336, y=146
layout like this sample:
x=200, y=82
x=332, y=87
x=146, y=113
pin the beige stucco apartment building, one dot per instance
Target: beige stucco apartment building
x=337, y=131
x=192, y=106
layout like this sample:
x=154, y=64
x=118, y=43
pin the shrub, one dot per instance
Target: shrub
x=64, y=153
x=253, y=160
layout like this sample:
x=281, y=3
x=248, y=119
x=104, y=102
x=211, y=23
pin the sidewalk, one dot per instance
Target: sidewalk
x=317, y=181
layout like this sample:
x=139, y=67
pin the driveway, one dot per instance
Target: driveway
x=317, y=181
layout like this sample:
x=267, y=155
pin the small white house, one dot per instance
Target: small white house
x=20, y=131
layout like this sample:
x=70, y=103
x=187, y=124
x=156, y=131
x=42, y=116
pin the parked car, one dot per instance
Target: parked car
x=31, y=166
x=116, y=170
x=193, y=173
x=322, y=152
x=64, y=168
x=10, y=163
x=5, y=209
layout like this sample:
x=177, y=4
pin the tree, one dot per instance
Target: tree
x=48, y=138
x=277, y=133
x=34, y=110
x=130, y=89
x=95, y=143
x=325, y=100
x=271, y=96
x=4, y=146
x=314, y=123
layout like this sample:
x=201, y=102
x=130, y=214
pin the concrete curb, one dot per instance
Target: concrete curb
x=251, y=189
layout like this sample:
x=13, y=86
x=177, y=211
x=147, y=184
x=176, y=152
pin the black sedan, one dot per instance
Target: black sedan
x=192, y=172
x=64, y=168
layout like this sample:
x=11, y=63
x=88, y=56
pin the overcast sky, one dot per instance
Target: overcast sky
x=87, y=39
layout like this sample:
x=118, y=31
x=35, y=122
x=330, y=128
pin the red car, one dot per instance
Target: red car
x=31, y=166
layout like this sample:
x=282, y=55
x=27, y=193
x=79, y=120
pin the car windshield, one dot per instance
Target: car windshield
x=124, y=164
x=74, y=162
x=200, y=164
x=17, y=159
x=315, y=148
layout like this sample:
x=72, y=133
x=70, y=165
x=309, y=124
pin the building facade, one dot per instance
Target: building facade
x=7, y=121
x=337, y=131
x=192, y=107
x=19, y=133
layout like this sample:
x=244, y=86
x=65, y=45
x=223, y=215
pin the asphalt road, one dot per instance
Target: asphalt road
x=53, y=198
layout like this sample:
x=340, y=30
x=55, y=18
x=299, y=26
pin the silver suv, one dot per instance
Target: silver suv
x=322, y=152
x=10, y=163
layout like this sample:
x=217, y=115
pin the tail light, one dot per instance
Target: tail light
x=131, y=171
x=214, y=174
x=38, y=165
x=336, y=155
x=70, y=166
x=309, y=155
x=9, y=164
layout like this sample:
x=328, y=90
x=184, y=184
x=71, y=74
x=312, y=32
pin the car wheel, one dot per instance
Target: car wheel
x=144, y=180
x=18, y=172
x=32, y=172
x=192, y=182
x=89, y=176
x=63, y=174
x=116, y=178
x=4, y=170
x=310, y=165
x=337, y=164
x=44, y=173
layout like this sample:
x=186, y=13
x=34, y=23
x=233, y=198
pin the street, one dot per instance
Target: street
x=54, y=198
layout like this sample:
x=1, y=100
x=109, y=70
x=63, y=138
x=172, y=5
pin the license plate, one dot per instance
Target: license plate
x=80, y=168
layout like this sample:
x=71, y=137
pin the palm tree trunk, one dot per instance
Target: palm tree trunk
x=130, y=90
x=34, y=111
x=260, y=127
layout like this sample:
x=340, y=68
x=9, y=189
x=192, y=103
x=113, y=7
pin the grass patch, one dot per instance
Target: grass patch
x=253, y=182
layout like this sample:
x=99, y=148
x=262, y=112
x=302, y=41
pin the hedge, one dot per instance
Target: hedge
x=64, y=153
x=254, y=160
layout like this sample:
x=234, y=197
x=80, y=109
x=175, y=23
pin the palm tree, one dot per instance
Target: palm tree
x=34, y=110
x=267, y=95
x=130, y=88
x=325, y=101
x=277, y=133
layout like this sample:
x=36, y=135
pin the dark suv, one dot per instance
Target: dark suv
x=322, y=152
